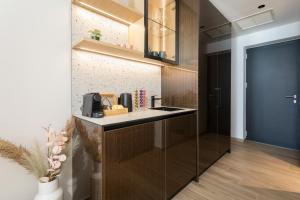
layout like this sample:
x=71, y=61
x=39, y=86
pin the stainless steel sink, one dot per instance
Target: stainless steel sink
x=166, y=108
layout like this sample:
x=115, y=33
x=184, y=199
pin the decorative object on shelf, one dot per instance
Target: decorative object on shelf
x=46, y=167
x=162, y=54
x=154, y=53
x=92, y=143
x=95, y=34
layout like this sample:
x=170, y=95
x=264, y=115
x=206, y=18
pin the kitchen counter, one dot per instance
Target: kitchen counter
x=133, y=118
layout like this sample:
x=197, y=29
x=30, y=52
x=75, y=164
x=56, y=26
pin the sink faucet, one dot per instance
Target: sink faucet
x=153, y=99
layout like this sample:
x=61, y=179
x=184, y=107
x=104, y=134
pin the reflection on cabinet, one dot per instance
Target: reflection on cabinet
x=134, y=162
x=151, y=161
x=179, y=87
x=181, y=152
x=188, y=34
x=87, y=162
x=215, y=140
x=214, y=88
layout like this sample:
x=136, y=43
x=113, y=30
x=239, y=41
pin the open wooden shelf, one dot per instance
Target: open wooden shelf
x=111, y=9
x=104, y=48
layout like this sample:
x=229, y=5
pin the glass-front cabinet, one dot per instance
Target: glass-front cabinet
x=161, y=30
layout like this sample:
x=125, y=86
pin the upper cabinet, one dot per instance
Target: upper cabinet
x=161, y=30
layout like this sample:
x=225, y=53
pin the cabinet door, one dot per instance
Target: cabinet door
x=224, y=61
x=208, y=133
x=161, y=30
x=134, y=162
x=181, y=152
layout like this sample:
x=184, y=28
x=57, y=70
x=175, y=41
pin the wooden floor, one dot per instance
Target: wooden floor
x=252, y=171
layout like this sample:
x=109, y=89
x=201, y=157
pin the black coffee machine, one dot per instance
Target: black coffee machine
x=92, y=105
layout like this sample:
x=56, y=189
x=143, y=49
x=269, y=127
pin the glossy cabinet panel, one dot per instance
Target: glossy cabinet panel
x=224, y=60
x=181, y=152
x=214, y=84
x=87, y=162
x=151, y=161
x=134, y=162
x=179, y=88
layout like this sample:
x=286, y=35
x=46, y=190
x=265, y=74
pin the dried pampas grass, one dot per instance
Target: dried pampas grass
x=36, y=160
x=15, y=153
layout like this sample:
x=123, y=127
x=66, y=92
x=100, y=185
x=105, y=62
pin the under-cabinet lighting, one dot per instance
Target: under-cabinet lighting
x=105, y=13
x=117, y=56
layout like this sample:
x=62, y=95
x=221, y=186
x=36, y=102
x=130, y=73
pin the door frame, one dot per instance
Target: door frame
x=245, y=72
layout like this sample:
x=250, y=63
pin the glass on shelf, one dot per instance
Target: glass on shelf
x=161, y=41
x=161, y=30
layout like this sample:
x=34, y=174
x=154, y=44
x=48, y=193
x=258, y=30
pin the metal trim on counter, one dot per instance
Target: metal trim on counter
x=143, y=121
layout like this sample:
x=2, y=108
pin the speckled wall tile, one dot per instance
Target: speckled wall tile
x=83, y=21
x=99, y=73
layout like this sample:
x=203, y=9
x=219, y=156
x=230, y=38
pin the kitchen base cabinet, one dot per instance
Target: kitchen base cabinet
x=150, y=161
x=134, y=162
x=181, y=152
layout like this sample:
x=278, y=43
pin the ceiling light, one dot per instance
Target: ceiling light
x=255, y=20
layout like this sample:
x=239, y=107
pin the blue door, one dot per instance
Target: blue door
x=273, y=94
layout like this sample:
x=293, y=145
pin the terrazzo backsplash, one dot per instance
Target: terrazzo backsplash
x=100, y=73
x=83, y=21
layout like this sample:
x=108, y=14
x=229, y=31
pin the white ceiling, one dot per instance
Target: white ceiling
x=284, y=11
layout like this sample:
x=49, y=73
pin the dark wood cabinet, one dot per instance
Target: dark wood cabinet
x=181, y=152
x=214, y=84
x=150, y=161
x=134, y=162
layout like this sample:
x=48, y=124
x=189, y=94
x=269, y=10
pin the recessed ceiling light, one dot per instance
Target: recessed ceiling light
x=261, y=6
x=257, y=19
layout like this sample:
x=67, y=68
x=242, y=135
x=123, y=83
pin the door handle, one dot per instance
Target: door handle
x=291, y=97
x=294, y=97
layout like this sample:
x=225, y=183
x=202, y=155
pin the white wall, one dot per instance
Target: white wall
x=35, y=80
x=239, y=45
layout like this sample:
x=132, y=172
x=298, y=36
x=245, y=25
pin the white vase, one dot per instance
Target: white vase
x=49, y=191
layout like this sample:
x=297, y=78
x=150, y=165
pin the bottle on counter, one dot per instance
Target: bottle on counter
x=136, y=100
x=143, y=99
